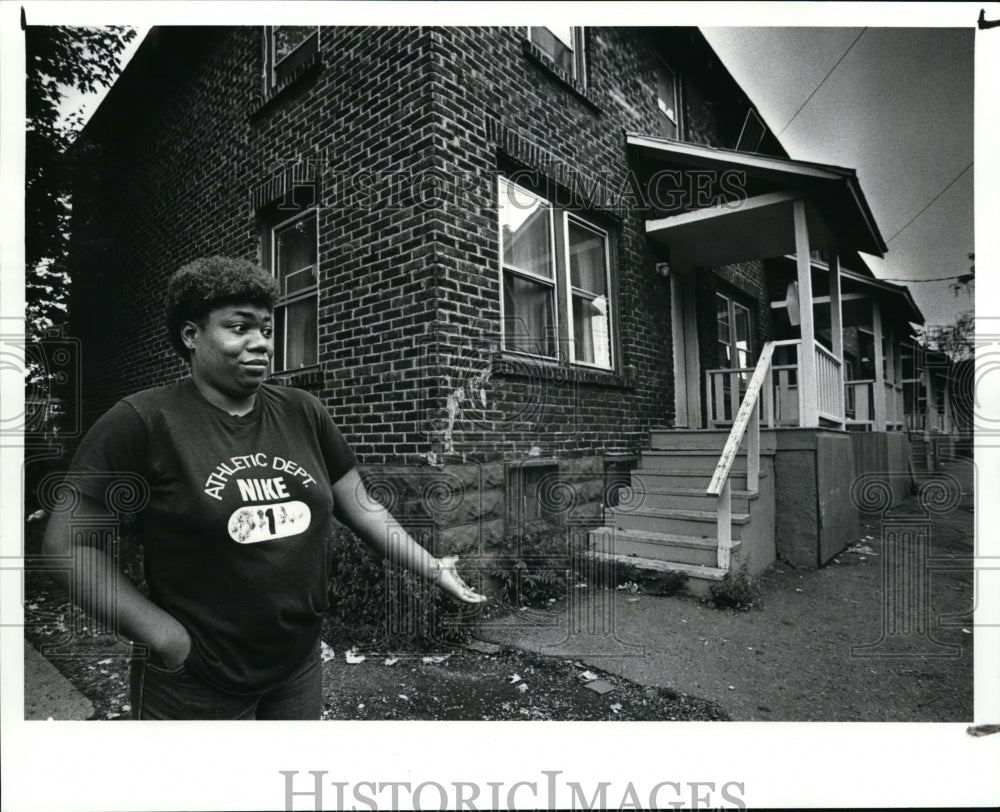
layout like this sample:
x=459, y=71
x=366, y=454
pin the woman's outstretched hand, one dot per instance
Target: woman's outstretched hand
x=448, y=579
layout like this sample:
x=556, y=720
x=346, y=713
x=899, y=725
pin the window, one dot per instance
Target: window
x=556, y=281
x=535, y=495
x=668, y=100
x=563, y=45
x=291, y=250
x=733, y=333
x=288, y=47
x=735, y=348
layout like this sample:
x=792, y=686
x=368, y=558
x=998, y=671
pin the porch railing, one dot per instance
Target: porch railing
x=745, y=421
x=828, y=385
x=860, y=398
x=782, y=398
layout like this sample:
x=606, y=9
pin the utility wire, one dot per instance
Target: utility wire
x=931, y=279
x=802, y=106
x=933, y=200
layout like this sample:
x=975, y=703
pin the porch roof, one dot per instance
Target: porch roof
x=760, y=223
x=859, y=289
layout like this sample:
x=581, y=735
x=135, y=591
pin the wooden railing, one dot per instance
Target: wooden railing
x=860, y=397
x=829, y=392
x=782, y=399
x=893, y=406
x=745, y=421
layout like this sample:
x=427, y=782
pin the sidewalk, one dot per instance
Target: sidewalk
x=805, y=654
x=48, y=694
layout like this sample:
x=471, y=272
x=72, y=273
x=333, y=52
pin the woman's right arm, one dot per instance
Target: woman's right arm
x=97, y=586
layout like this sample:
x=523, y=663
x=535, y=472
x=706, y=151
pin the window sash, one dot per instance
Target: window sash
x=563, y=300
x=297, y=309
x=563, y=45
x=734, y=332
x=668, y=100
x=279, y=69
x=589, y=302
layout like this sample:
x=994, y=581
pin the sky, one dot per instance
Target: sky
x=898, y=108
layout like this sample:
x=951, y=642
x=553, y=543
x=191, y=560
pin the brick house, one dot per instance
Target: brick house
x=524, y=268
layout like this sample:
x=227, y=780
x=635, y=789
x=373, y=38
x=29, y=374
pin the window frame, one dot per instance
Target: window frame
x=551, y=281
x=518, y=477
x=284, y=299
x=569, y=217
x=560, y=282
x=310, y=44
x=732, y=344
x=577, y=48
x=678, y=104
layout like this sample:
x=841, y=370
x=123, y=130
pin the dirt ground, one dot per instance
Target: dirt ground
x=847, y=642
x=821, y=645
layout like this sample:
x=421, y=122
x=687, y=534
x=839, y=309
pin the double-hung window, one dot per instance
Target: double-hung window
x=563, y=45
x=668, y=100
x=556, y=281
x=292, y=251
x=287, y=48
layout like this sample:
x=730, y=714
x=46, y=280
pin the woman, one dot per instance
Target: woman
x=244, y=479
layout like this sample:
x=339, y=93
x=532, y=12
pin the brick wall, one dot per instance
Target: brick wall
x=408, y=129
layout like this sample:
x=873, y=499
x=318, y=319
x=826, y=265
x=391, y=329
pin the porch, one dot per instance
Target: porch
x=775, y=422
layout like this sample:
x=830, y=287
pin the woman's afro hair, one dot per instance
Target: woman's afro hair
x=210, y=282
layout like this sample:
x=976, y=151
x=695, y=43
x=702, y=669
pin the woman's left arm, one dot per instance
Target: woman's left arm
x=380, y=531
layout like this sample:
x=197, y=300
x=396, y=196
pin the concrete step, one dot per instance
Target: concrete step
x=705, y=439
x=686, y=478
x=699, y=580
x=683, y=498
x=675, y=548
x=698, y=523
x=693, y=459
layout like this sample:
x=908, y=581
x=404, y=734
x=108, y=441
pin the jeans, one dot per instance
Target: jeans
x=160, y=693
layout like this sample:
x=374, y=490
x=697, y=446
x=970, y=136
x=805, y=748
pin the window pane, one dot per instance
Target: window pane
x=528, y=315
x=591, y=330
x=557, y=44
x=289, y=37
x=742, y=335
x=297, y=333
x=525, y=231
x=586, y=260
x=666, y=100
x=722, y=318
x=295, y=247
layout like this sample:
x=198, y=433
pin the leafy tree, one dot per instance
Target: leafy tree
x=58, y=59
x=957, y=340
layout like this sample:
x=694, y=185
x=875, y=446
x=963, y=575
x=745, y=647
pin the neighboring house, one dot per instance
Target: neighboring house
x=516, y=264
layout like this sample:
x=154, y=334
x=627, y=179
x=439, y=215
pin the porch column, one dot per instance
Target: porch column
x=946, y=418
x=879, y=393
x=837, y=329
x=808, y=403
x=930, y=410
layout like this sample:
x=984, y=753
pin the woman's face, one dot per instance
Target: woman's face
x=231, y=351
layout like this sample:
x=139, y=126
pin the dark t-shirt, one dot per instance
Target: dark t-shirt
x=237, y=523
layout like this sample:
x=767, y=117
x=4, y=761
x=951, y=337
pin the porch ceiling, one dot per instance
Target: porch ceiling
x=838, y=212
x=758, y=227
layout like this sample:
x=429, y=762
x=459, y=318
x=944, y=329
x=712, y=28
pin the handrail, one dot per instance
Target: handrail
x=742, y=419
x=827, y=353
x=747, y=416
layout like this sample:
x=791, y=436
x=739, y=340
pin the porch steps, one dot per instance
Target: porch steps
x=667, y=522
x=686, y=498
x=665, y=547
x=699, y=578
x=691, y=478
x=696, y=523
